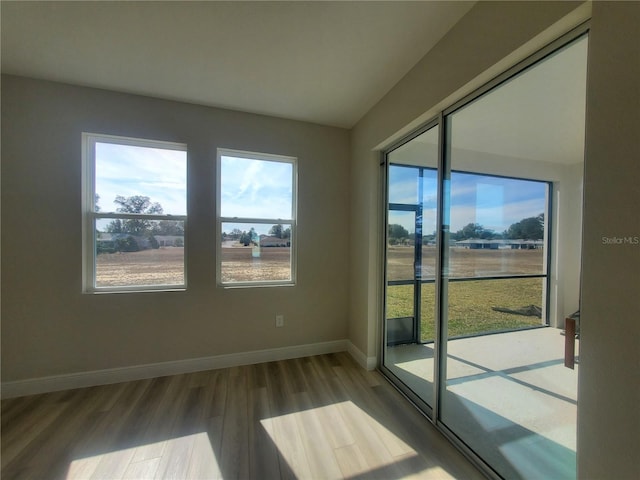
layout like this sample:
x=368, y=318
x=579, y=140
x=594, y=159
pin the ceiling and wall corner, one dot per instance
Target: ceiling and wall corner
x=321, y=62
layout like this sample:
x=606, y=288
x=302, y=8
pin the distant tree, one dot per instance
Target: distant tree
x=429, y=238
x=115, y=226
x=397, y=232
x=474, y=230
x=235, y=234
x=489, y=234
x=178, y=242
x=153, y=242
x=286, y=233
x=134, y=204
x=105, y=247
x=126, y=244
x=137, y=204
x=247, y=238
x=531, y=228
x=276, y=231
x=168, y=227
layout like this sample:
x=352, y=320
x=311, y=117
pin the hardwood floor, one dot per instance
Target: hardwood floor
x=319, y=417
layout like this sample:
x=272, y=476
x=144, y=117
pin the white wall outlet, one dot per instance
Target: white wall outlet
x=279, y=320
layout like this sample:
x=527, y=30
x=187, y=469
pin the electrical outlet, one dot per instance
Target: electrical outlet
x=279, y=320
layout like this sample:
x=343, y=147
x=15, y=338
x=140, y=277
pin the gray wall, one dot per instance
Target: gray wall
x=609, y=381
x=50, y=328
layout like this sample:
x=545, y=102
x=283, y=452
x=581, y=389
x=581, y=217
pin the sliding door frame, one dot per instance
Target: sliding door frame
x=422, y=405
x=432, y=412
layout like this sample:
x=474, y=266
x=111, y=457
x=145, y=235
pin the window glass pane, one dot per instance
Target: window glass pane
x=256, y=188
x=136, y=179
x=255, y=252
x=403, y=184
x=399, y=301
x=505, y=391
x=497, y=225
x=153, y=257
x=428, y=312
x=420, y=151
x=429, y=200
x=484, y=306
x=411, y=259
x=401, y=245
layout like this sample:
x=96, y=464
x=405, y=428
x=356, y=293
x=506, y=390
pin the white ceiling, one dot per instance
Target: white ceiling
x=323, y=62
x=537, y=115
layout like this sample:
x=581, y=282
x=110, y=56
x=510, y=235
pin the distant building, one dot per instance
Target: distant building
x=495, y=244
x=268, y=241
x=108, y=239
x=170, y=240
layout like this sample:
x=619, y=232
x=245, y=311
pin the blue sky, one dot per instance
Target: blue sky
x=493, y=202
x=250, y=188
x=126, y=170
x=255, y=189
x=263, y=189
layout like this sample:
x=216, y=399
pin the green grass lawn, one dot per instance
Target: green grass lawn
x=470, y=305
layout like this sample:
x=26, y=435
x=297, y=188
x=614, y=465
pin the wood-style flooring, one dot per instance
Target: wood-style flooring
x=319, y=417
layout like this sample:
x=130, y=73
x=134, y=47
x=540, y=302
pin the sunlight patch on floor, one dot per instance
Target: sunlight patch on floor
x=189, y=456
x=342, y=441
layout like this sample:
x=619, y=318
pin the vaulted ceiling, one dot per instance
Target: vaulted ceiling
x=323, y=62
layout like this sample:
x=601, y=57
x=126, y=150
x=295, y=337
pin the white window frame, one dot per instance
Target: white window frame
x=90, y=216
x=267, y=157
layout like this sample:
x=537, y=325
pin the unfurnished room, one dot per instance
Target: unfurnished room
x=320, y=239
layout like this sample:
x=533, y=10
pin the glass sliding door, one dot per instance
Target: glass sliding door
x=482, y=261
x=410, y=295
x=505, y=392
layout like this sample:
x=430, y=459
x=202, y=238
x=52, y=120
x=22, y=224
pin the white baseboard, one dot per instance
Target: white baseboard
x=368, y=363
x=139, y=372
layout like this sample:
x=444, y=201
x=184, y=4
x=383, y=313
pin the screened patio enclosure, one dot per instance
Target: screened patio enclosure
x=482, y=265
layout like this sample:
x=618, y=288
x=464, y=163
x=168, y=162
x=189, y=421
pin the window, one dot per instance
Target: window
x=134, y=214
x=256, y=219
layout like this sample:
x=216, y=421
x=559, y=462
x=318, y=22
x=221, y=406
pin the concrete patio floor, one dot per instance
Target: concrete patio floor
x=509, y=397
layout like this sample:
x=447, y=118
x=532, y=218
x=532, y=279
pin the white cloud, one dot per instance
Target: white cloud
x=256, y=188
x=127, y=170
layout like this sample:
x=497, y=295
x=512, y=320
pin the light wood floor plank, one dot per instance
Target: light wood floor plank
x=332, y=421
x=31, y=427
x=152, y=442
x=351, y=460
x=13, y=408
x=174, y=463
x=319, y=451
x=320, y=417
x=263, y=454
x=144, y=470
x=50, y=453
x=204, y=463
x=284, y=429
x=234, y=454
